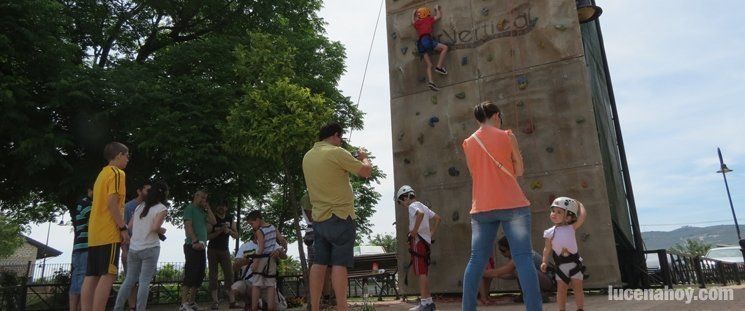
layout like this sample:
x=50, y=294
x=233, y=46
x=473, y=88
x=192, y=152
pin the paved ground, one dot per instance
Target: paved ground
x=593, y=302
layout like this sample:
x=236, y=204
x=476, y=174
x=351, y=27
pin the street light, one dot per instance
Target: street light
x=587, y=11
x=723, y=169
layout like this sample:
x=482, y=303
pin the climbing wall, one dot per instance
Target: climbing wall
x=527, y=57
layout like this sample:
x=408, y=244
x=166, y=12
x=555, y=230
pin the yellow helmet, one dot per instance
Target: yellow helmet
x=422, y=12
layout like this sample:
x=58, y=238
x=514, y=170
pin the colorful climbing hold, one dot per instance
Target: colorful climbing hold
x=464, y=61
x=400, y=136
x=422, y=79
x=433, y=120
x=502, y=25
x=550, y=149
x=404, y=50
x=536, y=185
x=461, y=95
x=434, y=99
x=416, y=113
x=520, y=103
x=452, y=171
x=394, y=35
x=455, y=216
x=484, y=11
x=430, y=173
x=529, y=127
x=522, y=82
x=490, y=58
x=407, y=161
x=560, y=27
x=420, y=139
x=584, y=184
x=580, y=120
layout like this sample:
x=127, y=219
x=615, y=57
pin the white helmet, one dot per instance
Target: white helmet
x=569, y=204
x=404, y=190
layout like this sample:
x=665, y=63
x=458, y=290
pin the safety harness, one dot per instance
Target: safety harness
x=414, y=254
x=267, y=265
x=572, y=258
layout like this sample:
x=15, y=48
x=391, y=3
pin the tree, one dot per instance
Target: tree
x=691, y=248
x=387, y=241
x=10, y=237
x=161, y=77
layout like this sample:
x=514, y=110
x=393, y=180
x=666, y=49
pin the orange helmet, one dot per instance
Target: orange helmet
x=422, y=12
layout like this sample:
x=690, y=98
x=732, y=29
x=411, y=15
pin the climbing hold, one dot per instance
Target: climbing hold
x=404, y=50
x=541, y=45
x=455, y=216
x=407, y=161
x=394, y=35
x=520, y=103
x=464, y=61
x=433, y=120
x=501, y=26
x=422, y=79
x=490, y=58
x=536, y=185
x=551, y=198
x=560, y=27
x=400, y=136
x=453, y=171
x=584, y=184
x=416, y=113
x=434, y=99
x=484, y=11
x=522, y=82
x=550, y=149
x=420, y=139
x=461, y=95
x=430, y=173
x=529, y=127
x=580, y=120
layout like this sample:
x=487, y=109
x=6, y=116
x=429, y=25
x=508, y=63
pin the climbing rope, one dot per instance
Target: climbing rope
x=369, y=53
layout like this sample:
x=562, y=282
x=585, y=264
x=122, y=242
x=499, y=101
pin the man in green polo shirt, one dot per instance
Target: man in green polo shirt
x=326, y=168
x=196, y=217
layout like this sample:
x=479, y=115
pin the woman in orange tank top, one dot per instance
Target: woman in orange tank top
x=495, y=162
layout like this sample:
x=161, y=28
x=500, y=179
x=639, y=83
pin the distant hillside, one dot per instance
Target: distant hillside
x=722, y=234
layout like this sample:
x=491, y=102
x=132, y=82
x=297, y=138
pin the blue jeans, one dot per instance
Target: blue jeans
x=516, y=226
x=79, y=262
x=141, y=267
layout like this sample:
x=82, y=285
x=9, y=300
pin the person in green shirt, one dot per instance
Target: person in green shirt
x=196, y=217
x=326, y=168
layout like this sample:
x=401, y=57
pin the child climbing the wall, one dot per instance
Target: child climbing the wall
x=426, y=43
x=568, y=215
x=420, y=239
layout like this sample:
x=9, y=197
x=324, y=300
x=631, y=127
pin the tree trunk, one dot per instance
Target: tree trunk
x=292, y=202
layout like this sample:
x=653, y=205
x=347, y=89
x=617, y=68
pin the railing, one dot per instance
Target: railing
x=677, y=269
x=46, y=287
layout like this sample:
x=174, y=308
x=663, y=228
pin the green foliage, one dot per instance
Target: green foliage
x=10, y=237
x=387, y=241
x=168, y=273
x=182, y=83
x=289, y=266
x=691, y=248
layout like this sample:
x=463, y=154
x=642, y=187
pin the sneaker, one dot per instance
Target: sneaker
x=433, y=87
x=215, y=306
x=428, y=307
x=193, y=306
x=185, y=307
x=441, y=70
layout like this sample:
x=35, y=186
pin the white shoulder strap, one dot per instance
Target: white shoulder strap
x=499, y=165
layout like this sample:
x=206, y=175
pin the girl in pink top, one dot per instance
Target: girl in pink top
x=494, y=161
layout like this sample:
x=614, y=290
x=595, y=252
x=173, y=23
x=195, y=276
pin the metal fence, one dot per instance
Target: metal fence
x=677, y=269
x=46, y=287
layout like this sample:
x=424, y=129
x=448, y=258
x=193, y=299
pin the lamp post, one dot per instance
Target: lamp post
x=724, y=170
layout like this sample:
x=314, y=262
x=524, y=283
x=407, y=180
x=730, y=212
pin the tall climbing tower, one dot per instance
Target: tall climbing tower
x=527, y=57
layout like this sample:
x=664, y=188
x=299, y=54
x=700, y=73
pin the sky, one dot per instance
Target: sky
x=678, y=75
